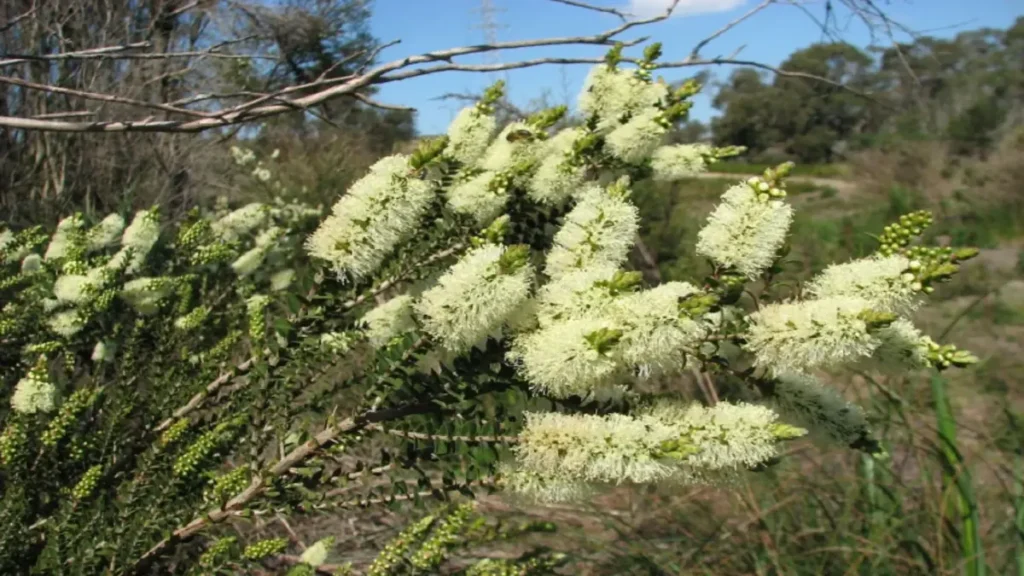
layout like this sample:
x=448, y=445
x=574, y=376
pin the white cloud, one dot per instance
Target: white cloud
x=649, y=8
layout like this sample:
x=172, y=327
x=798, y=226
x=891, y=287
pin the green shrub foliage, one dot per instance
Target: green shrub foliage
x=466, y=307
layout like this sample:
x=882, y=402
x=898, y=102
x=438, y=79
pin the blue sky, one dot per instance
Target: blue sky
x=770, y=36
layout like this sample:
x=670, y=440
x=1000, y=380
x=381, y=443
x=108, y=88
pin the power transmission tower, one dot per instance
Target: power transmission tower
x=487, y=13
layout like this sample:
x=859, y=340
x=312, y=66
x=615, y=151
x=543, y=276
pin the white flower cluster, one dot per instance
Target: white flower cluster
x=598, y=232
x=902, y=347
x=479, y=196
x=808, y=402
x=34, y=392
x=103, y=351
x=557, y=452
x=886, y=282
x=725, y=437
x=61, y=240
x=556, y=180
x=145, y=294
x=476, y=297
x=589, y=337
x=635, y=141
x=505, y=153
x=106, y=233
x=379, y=211
x=584, y=447
x=469, y=134
x=240, y=222
x=798, y=336
x=31, y=263
x=242, y=156
x=138, y=239
x=611, y=93
x=66, y=323
x=746, y=230
x=390, y=319
x=75, y=288
x=671, y=163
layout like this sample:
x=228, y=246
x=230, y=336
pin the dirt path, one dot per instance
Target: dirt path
x=844, y=187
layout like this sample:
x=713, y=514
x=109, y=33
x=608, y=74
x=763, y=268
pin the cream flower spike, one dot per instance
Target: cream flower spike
x=388, y=320
x=808, y=402
x=60, y=242
x=798, y=336
x=379, y=211
x=106, y=233
x=884, y=281
x=746, y=230
x=635, y=141
x=555, y=180
x=469, y=135
x=671, y=163
x=240, y=222
x=598, y=232
x=476, y=297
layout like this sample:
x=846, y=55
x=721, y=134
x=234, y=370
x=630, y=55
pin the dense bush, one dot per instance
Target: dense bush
x=467, y=301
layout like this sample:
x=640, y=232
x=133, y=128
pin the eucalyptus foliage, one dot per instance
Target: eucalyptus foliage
x=467, y=306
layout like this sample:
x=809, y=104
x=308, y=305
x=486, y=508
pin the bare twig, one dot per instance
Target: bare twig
x=14, y=21
x=197, y=400
x=695, y=53
x=444, y=437
x=383, y=106
x=346, y=87
x=101, y=97
x=102, y=52
x=621, y=15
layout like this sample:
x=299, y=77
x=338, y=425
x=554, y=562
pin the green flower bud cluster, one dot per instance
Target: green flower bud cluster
x=256, y=307
x=716, y=154
x=899, y=234
x=427, y=152
x=222, y=348
x=930, y=264
x=494, y=233
x=87, y=483
x=501, y=567
x=217, y=552
x=79, y=401
x=698, y=305
x=767, y=189
x=189, y=461
x=12, y=442
x=492, y=94
x=946, y=356
x=434, y=549
x=48, y=347
x=621, y=282
x=215, y=253
x=227, y=485
x=603, y=340
x=301, y=570
x=265, y=548
x=192, y=320
x=393, y=554
x=513, y=258
x=876, y=320
x=173, y=433
x=545, y=119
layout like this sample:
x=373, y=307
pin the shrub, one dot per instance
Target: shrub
x=467, y=301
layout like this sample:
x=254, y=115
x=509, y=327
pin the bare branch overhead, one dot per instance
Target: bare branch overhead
x=324, y=88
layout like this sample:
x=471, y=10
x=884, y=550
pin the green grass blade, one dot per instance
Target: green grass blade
x=954, y=472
